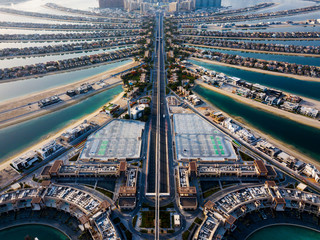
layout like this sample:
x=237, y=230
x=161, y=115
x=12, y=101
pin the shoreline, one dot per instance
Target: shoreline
x=290, y=149
x=257, y=51
x=298, y=77
x=91, y=50
x=62, y=39
x=36, y=223
x=113, y=82
x=281, y=224
x=276, y=111
x=67, y=29
x=259, y=39
x=60, y=20
x=53, y=135
x=64, y=71
x=102, y=75
x=53, y=108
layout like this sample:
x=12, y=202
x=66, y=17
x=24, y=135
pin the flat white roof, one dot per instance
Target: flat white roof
x=119, y=139
x=196, y=138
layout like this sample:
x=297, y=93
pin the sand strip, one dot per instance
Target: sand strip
x=282, y=113
x=256, y=51
x=302, y=78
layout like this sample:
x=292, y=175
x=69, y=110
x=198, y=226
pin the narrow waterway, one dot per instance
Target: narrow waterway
x=21, y=88
x=287, y=84
x=303, y=138
x=20, y=136
x=315, y=61
x=22, y=61
x=283, y=42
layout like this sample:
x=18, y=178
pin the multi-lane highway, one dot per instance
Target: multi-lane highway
x=157, y=176
x=159, y=120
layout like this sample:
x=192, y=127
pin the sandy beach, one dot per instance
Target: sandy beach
x=302, y=78
x=256, y=51
x=292, y=150
x=88, y=51
x=6, y=164
x=262, y=39
x=22, y=111
x=292, y=116
x=54, y=135
x=63, y=71
x=4, y=105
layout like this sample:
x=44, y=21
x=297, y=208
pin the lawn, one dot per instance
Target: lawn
x=165, y=219
x=147, y=220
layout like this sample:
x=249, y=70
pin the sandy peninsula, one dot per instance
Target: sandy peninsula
x=302, y=78
x=292, y=116
x=262, y=39
x=281, y=145
x=6, y=163
x=256, y=51
x=19, y=109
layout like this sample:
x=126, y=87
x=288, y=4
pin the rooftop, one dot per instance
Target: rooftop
x=119, y=139
x=197, y=139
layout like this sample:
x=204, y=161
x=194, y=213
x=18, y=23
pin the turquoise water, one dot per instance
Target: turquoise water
x=302, y=88
x=284, y=231
x=20, y=136
x=20, y=88
x=33, y=230
x=22, y=44
x=274, y=57
x=301, y=43
x=304, y=138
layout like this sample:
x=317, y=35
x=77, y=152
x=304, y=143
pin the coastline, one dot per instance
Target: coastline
x=282, y=113
x=68, y=29
x=53, y=108
x=261, y=39
x=302, y=78
x=257, y=51
x=281, y=224
x=53, y=135
x=70, y=52
x=37, y=223
x=63, y=71
x=290, y=149
x=63, y=39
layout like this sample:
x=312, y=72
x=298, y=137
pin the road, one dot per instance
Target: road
x=159, y=118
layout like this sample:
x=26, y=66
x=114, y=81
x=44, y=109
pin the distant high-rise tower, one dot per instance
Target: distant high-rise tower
x=111, y=3
x=208, y=3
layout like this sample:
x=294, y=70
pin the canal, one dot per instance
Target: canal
x=273, y=57
x=33, y=231
x=20, y=136
x=303, y=138
x=22, y=61
x=21, y=88
x=302, y=88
